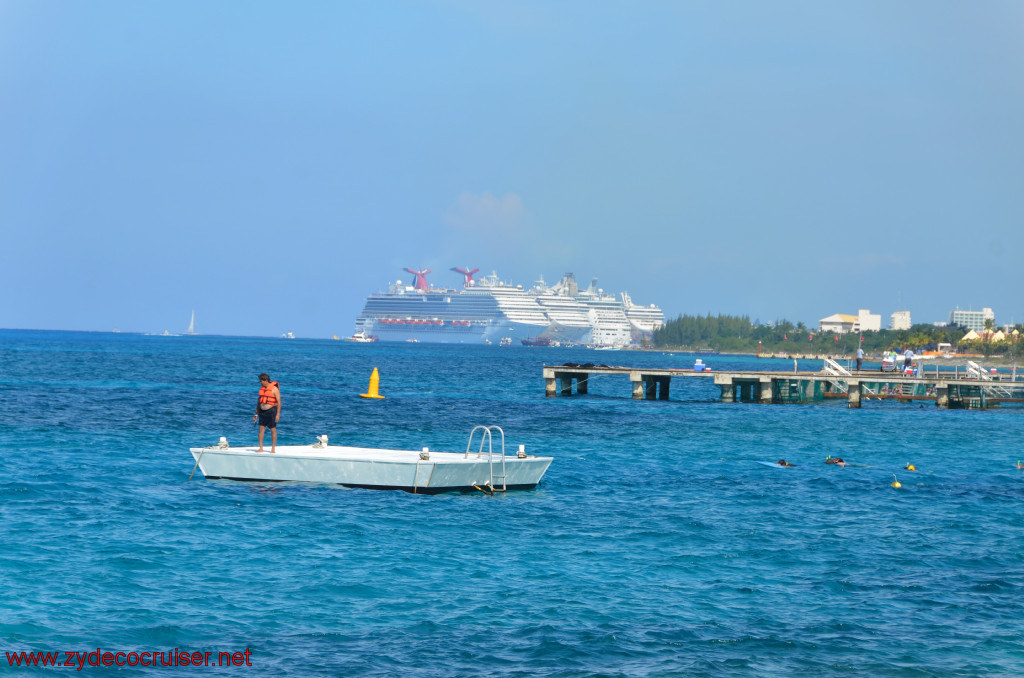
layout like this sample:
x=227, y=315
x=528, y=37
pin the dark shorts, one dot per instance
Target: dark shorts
x=267, y=417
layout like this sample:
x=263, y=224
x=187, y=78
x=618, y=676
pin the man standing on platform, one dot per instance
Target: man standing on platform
x=268, y=410
x=908, y=359
x=860, y=357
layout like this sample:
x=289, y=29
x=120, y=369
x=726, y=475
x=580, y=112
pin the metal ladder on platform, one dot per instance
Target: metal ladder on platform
x=485, y=435
x=976, y=371
x=834, y=369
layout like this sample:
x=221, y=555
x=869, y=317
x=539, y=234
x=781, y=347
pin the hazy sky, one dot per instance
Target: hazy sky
x=270, y=164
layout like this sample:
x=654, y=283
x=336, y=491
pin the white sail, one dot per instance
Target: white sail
x=192, y=324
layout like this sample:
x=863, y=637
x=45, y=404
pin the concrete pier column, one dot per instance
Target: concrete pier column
x=549, y=383
x=582, y=378
x=942, y=396
x=638, y=385
x=724, y=382
x=663, y=383
x=853, y=393
x=766, y=390
x=566, y=380
x=651, y=386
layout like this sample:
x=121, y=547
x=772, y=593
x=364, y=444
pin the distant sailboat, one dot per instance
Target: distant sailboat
x=192, y=324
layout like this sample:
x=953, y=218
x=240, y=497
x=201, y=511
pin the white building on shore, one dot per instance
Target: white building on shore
x=900, y=320
x=844, y=323
x=972, y=320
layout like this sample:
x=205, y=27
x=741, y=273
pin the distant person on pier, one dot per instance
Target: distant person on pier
x=908, y=359
x=268, y=410
x=860, y=357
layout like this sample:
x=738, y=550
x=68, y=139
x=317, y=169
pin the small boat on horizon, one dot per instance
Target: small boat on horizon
x=362, y=337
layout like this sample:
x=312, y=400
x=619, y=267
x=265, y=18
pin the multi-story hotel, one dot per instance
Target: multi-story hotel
x=972, y=320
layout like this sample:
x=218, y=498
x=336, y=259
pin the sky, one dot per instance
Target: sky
x=268, y=165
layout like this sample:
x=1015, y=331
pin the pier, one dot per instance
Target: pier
x=970, y=389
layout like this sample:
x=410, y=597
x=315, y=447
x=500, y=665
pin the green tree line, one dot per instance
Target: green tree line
x=739, y=334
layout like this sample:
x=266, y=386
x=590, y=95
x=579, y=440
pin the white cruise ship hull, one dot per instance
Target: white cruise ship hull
x=575, y=334
x=476, y=332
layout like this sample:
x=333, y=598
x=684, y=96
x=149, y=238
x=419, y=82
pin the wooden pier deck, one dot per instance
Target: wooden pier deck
x=947, y=389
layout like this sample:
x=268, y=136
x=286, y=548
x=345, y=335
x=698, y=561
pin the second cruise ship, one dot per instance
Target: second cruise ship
x=489, y=310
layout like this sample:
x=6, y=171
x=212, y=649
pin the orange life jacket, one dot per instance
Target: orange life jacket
x=267, y=394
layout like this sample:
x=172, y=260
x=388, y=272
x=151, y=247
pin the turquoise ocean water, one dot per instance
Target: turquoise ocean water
x=655, y=546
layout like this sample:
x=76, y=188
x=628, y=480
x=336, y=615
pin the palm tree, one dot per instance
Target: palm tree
x=989, y=325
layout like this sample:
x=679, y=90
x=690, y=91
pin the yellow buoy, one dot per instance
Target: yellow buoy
x=895, y=482
x=910, y=467
x=374, y=385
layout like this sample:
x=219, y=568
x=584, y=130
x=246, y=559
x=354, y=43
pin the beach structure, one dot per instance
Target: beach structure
x=995, y=337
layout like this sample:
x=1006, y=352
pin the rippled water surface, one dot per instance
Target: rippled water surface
x=655, y=545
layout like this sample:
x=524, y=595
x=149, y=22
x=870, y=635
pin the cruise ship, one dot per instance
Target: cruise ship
x=490, y=310
x=643, y=320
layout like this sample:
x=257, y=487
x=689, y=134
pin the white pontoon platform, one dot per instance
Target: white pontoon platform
x=419, y=472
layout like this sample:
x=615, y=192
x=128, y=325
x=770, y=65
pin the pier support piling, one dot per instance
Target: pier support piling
x=853, y=393
x=725, y=382
x=566, y=383
x=637, y=382
x=651, y=388
x=663, y=383
x=766, y=390
x=942, y=396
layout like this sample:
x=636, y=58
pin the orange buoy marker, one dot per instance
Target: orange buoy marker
x=895, y=482
x=374, y=385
